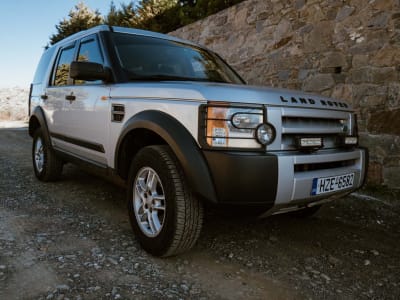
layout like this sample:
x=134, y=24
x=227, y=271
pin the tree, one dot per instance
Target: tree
x=149, y=9
x=125, y=16
x=193, y=10
x=157, y=15
x=79, y=18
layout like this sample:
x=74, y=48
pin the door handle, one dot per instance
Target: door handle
x=44, y=97
x=70, y=97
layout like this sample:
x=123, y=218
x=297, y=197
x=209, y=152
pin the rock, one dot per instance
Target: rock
x=326, y=277
x=383, y=75
x=334, y=59
x=344, y=12
x=319, y=39
x=112, y=260
x=284, y=75
x=379, y=21
x=304, y=276
x=283, y=29
x=95, y=251
x=367, y=262
x=184, y=287
x=318, y=83
x=333, y=260
x=114, y=291
x=385, y=122
x=299, y=4
x=62, y=287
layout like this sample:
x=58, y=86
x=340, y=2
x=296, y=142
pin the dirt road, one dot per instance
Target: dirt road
x=72, y=240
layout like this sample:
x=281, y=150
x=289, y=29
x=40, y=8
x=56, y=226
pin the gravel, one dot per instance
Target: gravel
x=72, y=240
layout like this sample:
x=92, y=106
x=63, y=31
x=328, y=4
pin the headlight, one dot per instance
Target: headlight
x=350, y=131
x=351, y=140
x=236, y=127
x=349, y=126
x=265, y=134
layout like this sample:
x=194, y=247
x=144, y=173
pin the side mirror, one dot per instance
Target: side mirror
x=89, y=71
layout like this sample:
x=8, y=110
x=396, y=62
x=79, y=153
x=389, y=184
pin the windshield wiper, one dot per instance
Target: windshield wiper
x=157, y=77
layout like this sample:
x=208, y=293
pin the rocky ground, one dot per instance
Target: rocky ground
x=72, y=240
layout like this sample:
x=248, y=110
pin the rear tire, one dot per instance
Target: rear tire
x=47, y=166
x=165, y=216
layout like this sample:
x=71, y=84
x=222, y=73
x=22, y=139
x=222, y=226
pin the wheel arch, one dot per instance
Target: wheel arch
x=155, y=127
x=38, y=120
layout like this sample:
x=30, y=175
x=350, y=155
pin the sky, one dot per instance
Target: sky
x=26, y=28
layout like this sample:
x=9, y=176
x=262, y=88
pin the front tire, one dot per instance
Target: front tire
x=46, y=164
x=165, y=216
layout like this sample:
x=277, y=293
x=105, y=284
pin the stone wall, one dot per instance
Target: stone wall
x=343, y=49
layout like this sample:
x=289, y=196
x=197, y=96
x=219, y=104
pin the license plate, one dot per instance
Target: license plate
x=330, y=184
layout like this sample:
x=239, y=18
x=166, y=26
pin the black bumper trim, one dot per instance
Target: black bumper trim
x=244, y=177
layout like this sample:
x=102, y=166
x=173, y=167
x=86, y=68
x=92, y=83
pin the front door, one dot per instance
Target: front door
x=82, y=127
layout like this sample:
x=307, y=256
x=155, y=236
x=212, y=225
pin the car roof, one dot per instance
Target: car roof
x=133, y=31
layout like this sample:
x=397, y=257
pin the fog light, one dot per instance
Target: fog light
x=265, y=134
x=309, y=142
x=351, y=140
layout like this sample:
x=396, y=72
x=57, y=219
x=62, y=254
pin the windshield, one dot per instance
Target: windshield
x=148, y=58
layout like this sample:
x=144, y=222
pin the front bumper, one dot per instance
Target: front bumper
x=282, y=179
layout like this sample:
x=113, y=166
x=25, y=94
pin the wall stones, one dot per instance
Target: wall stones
x=385, y=122
x=344, y=12
x=344, y=49
x=318, y=83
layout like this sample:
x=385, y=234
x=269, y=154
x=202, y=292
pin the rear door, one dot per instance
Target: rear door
x=59, y=87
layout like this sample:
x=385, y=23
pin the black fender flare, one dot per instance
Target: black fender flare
x=182, y=144
x=38, y=114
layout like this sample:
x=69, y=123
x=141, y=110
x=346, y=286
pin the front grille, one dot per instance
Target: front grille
x=295, y=123
x=324, y=166
x=331, y=131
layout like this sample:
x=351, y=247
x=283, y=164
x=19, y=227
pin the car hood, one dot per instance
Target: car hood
x=220, y=92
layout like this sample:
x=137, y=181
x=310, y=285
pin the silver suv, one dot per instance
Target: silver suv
x=179, y=127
